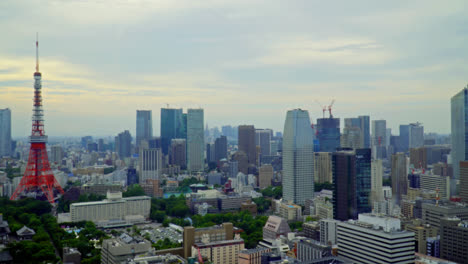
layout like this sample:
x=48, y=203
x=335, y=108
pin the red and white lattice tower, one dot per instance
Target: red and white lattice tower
x=38, y=180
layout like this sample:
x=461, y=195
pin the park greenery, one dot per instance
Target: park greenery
x=165, y=243
x=273, y=191
x=263, y=204
x=184, y=185
x=47, y=244
x=134, y=190
x=252, y=226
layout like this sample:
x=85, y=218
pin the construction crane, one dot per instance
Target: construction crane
x=330, y=108
x=324, y=108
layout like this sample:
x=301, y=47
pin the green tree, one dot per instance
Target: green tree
x=134, y=190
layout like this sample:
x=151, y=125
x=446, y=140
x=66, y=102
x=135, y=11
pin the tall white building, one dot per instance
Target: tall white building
x=376, y=181
x=375, y=239
x=5, y=132
x=298, y=157
x=150, y=164
x=195, y=140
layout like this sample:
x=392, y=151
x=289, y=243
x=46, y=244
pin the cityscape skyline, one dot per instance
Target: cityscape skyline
x=243, y=60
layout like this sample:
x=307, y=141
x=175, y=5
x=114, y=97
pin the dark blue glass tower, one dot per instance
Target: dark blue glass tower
x=404, y=138
x=363, y=180
x=328, y=134
x=172, y=126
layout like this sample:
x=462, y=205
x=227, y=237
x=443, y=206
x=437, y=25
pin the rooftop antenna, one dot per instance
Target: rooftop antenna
x=37, y=52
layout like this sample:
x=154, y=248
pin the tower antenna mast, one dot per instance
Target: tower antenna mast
x=37, y=52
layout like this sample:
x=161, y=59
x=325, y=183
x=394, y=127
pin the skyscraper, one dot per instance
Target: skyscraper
x=358, y=130
x=328, y=134
x=416, y=135
x=172, y=126
x=246, y=142
x=144, y=126
x=404, y=138
x=262, y=139
x=298, y=157
x=178, y=153
x=344, y=184
x=221, y=148
x=123, y=144
x=150, y=164
x=379, y=132
x=363, y=180
x=5, y=132
x=323, y=167
x=56, y=154
x=399, y=176
x=459, y=104
x=464, y=181
x=376, y=181
x=195, y=140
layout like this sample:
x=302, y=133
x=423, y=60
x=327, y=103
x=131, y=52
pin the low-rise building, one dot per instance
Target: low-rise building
x=432, y=213
x=113, y=210
x=291, y=212
x=375, y=239
x=311, y=250
x=275, y=227
x=454, y=239
x=311, y=230
x=118, y=250
x=219, y=252
x=252, y=256
x=421, y=233
x=328, y=234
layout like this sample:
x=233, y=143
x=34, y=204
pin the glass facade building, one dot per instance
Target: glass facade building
x=328, y=134
x=298, y=157
x=363, y=180
x=5, y=132
x=172, y=126
x=459, y=105
x=144, y=126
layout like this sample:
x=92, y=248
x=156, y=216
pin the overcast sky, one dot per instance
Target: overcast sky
x=244, y=62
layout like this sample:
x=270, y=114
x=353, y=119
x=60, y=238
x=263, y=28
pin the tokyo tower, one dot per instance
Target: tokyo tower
x=38, y=180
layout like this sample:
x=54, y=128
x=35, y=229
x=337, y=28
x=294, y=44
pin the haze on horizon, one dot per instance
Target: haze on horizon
x=244, y=62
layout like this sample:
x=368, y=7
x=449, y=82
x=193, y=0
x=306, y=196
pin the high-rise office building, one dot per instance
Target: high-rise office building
x=150, y=164
x=459, y=104
x=344, y=184
x=172, y=126
x=351, y=138
x=56, y=154
x=363, y=180
x=328, y=134
x=418, y=157
x=375, y=239
x=123, y=144
x=262, y=139
x=323, y=167
x=399, y=176
x=5, y=132
x=416, y=135
x=178, y=153
x=356, y=133
x=454, y=240
x=298, y=157
x=144, y=126
x=379, y=133
x=195, y=140
x=376, y=181
x=404, y=138
x=246, y=142
x=220, y=148
x=464, y=181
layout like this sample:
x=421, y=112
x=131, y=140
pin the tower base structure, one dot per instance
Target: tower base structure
x=38, y=180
